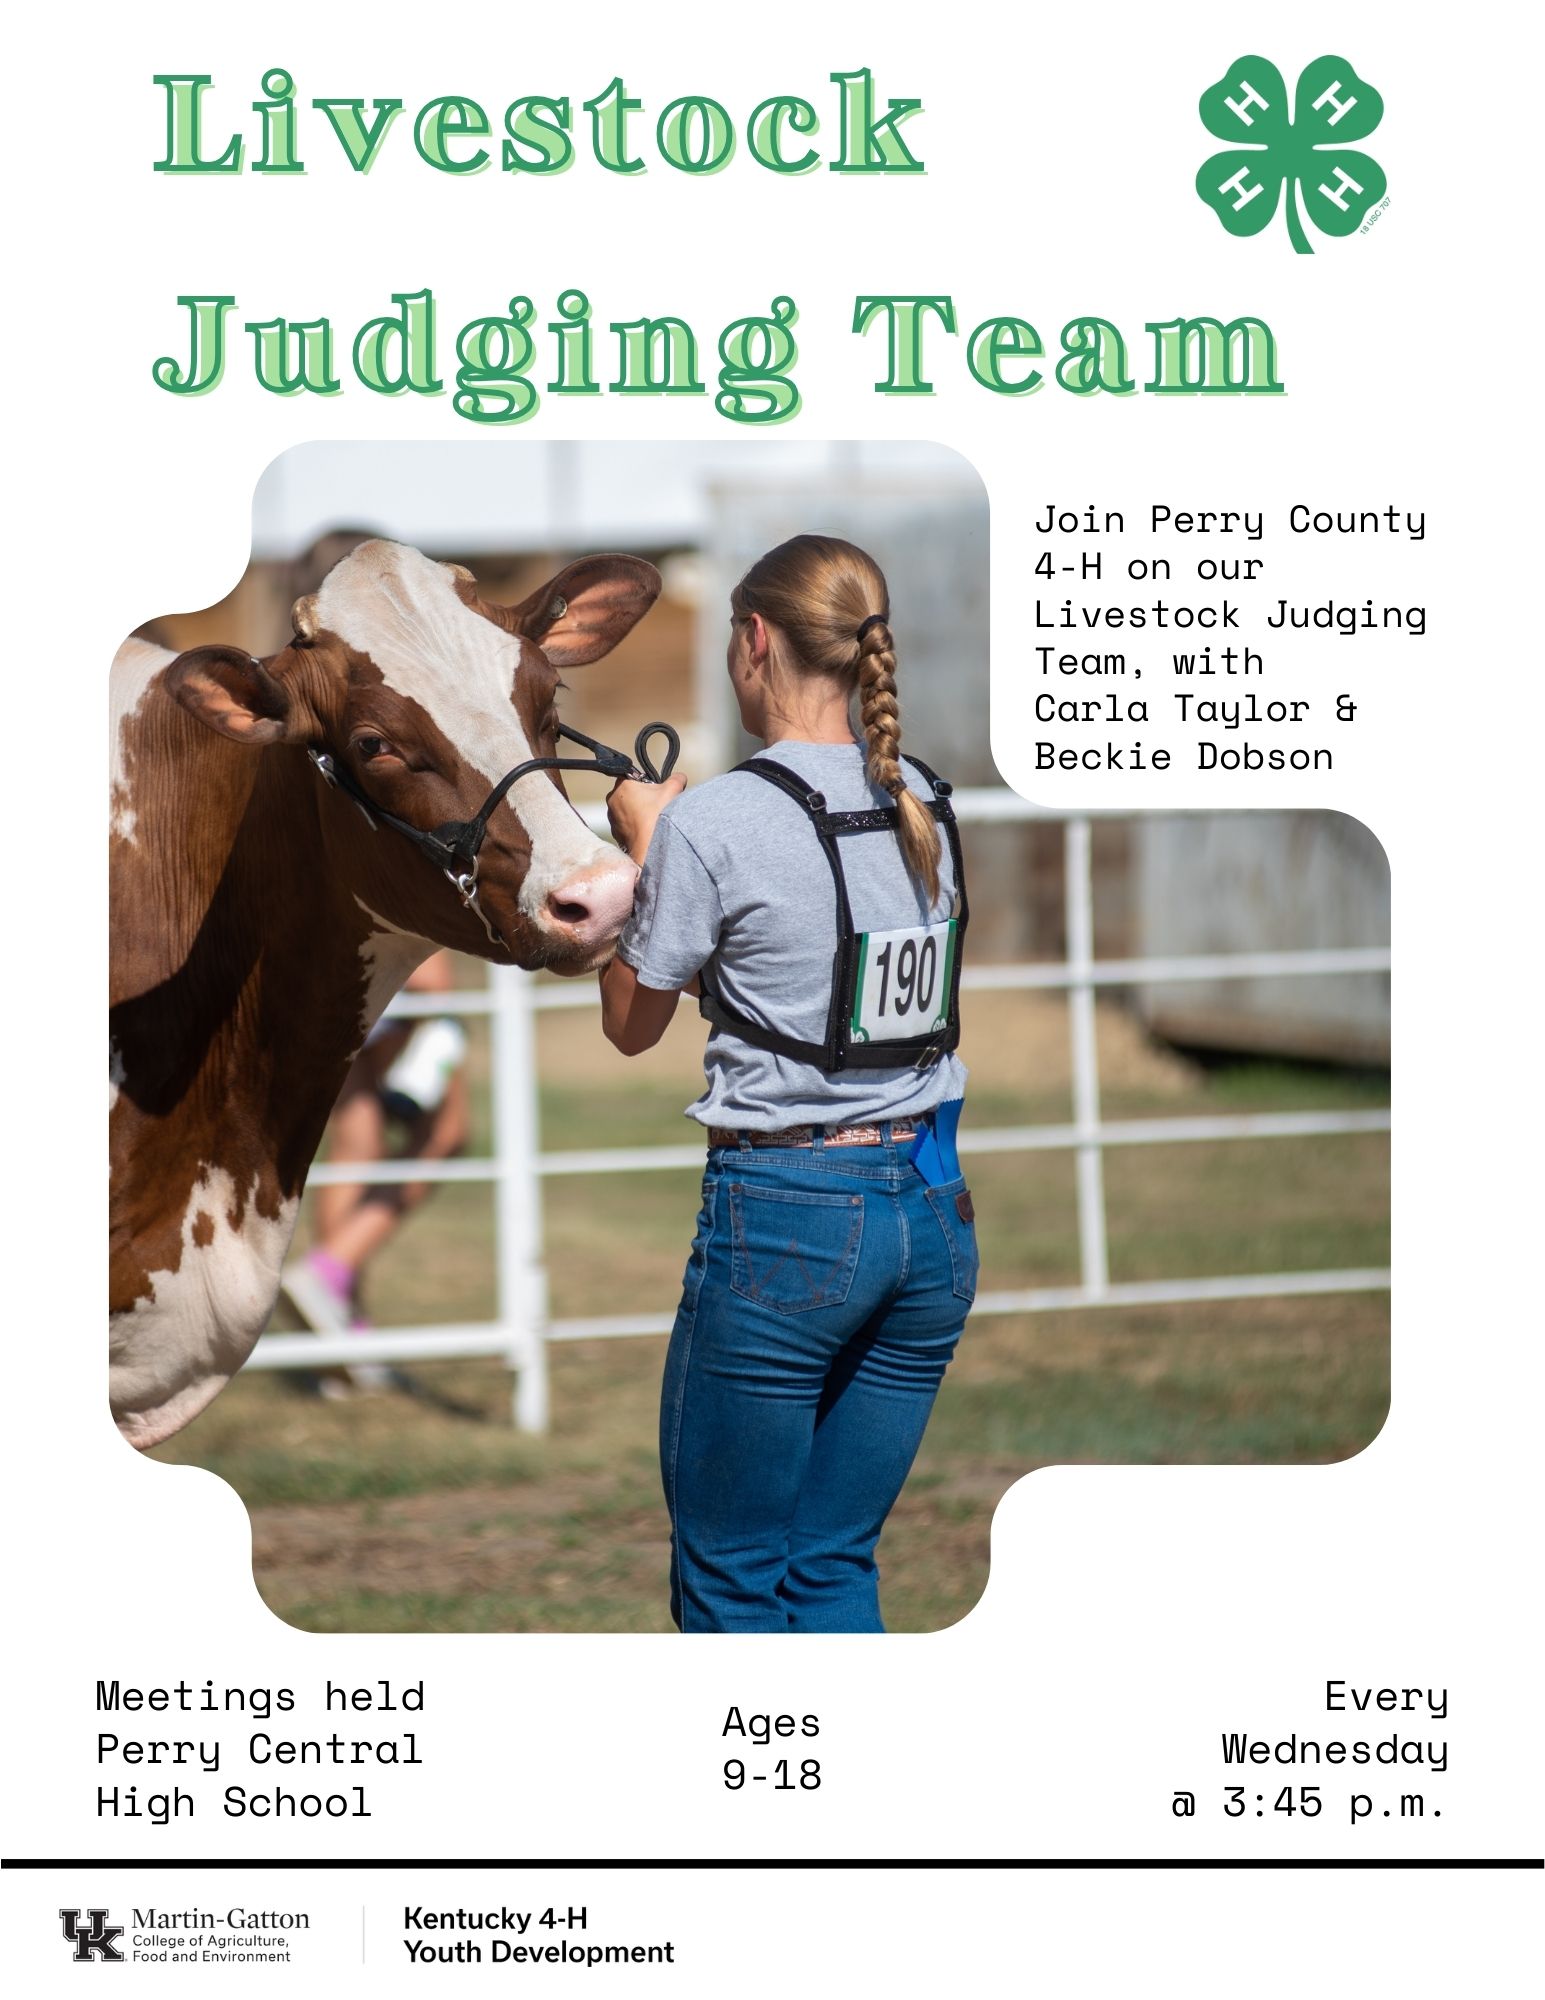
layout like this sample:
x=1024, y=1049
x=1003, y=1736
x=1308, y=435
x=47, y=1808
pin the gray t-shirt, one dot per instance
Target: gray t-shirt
x=735, y=879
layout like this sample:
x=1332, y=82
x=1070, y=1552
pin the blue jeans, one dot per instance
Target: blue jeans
x=825, y=1292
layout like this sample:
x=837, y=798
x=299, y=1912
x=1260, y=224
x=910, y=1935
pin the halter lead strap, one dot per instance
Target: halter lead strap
x=454, y=846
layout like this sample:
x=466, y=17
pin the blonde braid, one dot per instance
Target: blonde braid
x=880, y=717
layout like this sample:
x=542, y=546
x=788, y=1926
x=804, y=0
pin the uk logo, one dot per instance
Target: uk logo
x=96, y=1938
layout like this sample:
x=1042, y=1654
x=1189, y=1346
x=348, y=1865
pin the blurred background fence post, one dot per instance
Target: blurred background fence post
x=1094, y=1261
x=523, y=1302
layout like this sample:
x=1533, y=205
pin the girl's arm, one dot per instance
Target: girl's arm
x=633, y=1016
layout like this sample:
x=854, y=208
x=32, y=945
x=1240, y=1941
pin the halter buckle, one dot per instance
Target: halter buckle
x=465, y=884
x=324, y=763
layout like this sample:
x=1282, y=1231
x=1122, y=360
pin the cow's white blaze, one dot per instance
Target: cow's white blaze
x=135, y=666
x=402, y=610
x=173, y=1352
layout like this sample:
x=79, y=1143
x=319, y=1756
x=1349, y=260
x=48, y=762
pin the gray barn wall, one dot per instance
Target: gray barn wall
x=1263, y=881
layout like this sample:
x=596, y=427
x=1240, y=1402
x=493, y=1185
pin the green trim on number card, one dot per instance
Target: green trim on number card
x=856, y=1033
x=948, y=986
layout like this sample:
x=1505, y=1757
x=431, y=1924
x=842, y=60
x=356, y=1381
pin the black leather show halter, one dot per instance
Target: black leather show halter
x=455, y=846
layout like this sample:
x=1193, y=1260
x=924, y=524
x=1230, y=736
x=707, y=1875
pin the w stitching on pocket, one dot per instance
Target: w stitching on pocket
x=783, y=1273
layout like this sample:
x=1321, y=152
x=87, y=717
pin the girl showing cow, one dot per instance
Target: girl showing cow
x=813, y=901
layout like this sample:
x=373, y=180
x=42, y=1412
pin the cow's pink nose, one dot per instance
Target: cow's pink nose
x=595, y=905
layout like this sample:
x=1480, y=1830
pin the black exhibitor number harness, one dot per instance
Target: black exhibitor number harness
x=895, y=994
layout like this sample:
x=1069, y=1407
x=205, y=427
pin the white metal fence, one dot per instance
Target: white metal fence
x=518, y=1165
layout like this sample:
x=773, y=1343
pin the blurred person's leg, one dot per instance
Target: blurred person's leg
x=363, y=1230
x=321, y=1285
x=355, y=1220
x=357, y=1128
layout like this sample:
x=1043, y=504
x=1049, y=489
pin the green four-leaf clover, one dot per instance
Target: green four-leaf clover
x=1310, y=153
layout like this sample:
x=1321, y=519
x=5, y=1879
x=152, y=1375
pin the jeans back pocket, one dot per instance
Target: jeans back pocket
x=957, y=1218
x=793, y=1250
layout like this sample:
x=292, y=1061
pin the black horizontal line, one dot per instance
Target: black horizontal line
x=747, y=1863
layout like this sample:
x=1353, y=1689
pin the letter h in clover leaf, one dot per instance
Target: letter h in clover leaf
x=1310, y=154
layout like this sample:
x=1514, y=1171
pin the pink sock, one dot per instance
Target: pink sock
x=335, y=1274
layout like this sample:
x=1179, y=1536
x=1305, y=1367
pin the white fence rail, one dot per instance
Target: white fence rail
x=518, y=1165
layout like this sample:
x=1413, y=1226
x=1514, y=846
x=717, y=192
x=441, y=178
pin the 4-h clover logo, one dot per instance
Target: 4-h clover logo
x=1308, y=154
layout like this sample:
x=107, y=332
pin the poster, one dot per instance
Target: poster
x=397, y=368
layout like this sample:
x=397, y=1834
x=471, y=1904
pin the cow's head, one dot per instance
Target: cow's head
x=430, y=695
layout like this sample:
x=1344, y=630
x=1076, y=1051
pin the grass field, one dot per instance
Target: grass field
x=426, y=1511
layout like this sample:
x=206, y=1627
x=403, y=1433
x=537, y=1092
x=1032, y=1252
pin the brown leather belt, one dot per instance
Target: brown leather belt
x=804, y=1135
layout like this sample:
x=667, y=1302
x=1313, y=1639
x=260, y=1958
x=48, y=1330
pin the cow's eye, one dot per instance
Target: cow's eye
x=371, y=747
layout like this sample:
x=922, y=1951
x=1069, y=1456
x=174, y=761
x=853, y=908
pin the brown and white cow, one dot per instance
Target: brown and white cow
x=260, y=924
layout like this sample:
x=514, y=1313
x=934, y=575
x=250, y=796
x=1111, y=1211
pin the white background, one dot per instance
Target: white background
x=1132, y=1613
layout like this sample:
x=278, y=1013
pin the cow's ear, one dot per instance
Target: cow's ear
x=587, y=608
x=231, y=693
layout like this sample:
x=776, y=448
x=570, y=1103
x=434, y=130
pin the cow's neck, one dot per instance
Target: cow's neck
x=257, y=970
